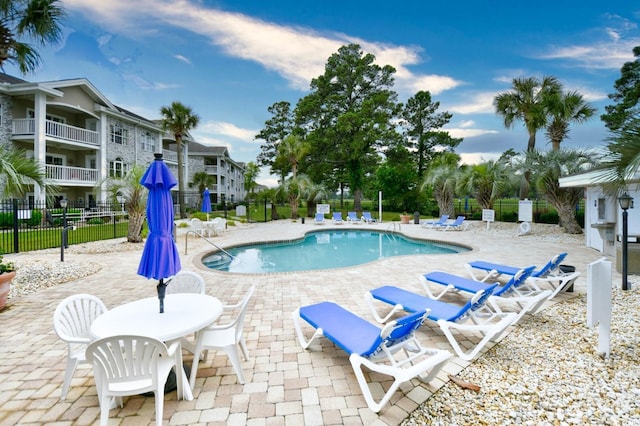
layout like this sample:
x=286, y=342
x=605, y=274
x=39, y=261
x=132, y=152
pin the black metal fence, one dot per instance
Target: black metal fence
x=28, y=225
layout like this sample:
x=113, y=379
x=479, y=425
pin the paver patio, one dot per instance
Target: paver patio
x=285, y=384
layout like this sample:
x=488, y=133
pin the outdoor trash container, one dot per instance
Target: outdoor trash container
x=567, y=269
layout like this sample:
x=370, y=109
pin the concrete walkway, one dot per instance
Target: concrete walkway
x=285, y=384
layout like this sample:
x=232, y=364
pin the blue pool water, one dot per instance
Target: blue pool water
x=323, y=250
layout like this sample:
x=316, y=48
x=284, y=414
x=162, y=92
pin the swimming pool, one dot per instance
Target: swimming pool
x=323, y=250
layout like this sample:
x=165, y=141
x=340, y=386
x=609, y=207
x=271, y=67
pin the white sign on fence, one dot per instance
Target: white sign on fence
x=525, y=210
x=323, y=208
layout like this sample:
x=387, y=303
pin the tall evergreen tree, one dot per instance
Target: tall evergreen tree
x=349, y=117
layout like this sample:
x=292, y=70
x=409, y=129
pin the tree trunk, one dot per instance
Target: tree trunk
x=357, y=200
x=181, y=183
x=134, y=234
x=568, y=221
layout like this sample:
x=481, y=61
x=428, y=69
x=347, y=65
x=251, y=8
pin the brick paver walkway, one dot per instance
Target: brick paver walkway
x=285, y=384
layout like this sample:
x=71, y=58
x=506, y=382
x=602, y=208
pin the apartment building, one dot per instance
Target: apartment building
x=83, y=139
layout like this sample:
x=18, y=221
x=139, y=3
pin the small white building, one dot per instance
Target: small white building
x=603, y=218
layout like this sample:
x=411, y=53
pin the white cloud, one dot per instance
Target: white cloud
x=228, y=129
x=148, y=85
x=297, y=54
x=477, y=103
x=183, y=59
x=468, y=133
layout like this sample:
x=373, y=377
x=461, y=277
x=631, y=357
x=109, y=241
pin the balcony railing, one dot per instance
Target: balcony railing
x=169, y=155
x=26, y=126
x=66, y=173
x=211, y=170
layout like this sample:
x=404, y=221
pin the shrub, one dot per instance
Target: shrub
x=549, y=217
x=95, y=221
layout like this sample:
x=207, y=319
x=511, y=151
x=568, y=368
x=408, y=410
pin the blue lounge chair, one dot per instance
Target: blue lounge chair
x=514, y=296
x=319, y=220
x=550, y=274
x=457, y=225
x=337, y=218
x=474, y=316
x=374, y=347
x=352, y=217
x=433, y=223
x=366, y=217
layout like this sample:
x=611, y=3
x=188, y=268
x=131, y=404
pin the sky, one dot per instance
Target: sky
x=230, y=60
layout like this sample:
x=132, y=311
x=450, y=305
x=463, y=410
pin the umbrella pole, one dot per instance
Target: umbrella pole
x=161, y=290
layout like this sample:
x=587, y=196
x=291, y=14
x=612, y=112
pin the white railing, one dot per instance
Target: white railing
x=211, y=170
x=26, y=126
x=67, y=173
x=169, y=155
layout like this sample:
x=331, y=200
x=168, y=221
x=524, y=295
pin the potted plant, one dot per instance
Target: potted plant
x=405, y=218
x=7, y=273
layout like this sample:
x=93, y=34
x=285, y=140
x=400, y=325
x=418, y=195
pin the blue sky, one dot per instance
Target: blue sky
x=230, y=60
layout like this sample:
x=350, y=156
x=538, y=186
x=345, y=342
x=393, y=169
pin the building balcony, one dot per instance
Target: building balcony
x=168, y=155
x=70, y=175
x=26, y=127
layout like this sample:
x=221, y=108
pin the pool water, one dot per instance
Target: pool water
x=323, y=250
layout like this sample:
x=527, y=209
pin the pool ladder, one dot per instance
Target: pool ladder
x=186, y=241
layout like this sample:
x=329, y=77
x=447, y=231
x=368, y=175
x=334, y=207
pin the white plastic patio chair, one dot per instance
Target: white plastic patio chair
x=198, y=227
x=72, y=320
x=130, y=365
x=225, y=337
x=186, y=282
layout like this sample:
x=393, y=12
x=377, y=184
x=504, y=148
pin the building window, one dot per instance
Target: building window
x=117, y=168
x=147, y=142
x=118, y=134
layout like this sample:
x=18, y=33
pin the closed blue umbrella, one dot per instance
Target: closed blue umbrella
x=160, y=258
x=206, y=202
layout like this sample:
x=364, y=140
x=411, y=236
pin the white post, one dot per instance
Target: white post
x=599, y=302
x=380, y=206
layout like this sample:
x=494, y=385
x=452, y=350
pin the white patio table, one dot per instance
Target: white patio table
x=184, y=313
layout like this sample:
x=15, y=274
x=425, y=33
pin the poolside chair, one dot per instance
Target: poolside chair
x=131, y=365
x=366, y=218
x=352, y=217
x=228, y=337
x=514, y=296
x=72, y=321
x=337, y=218
x=392, y=350
x=474, y=316
x=457, y=225
x=428, y=224
x=198, y=227
x=550, y=274
x=319, y=219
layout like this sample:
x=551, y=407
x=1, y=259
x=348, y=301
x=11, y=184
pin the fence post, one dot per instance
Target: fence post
x=16, y=241
x=113, y=219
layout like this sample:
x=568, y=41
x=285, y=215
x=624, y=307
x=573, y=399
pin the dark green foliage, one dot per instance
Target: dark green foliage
x=95, y=221
x=549, y=217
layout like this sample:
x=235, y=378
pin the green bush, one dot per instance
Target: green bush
x=95, y=221
x=549, y=217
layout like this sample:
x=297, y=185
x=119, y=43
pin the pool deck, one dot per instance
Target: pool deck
x=286, y=385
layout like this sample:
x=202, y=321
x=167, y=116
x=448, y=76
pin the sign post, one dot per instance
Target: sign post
x=488, y=216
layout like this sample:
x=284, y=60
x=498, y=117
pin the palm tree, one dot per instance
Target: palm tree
x=566, y=108
x=314, y=192
x=547, y=168
x=202, y=180
x=18, y=172
x=135, y=198
x=484, y=181
x=37, y=20
x=527, y=102
x=442, y=177
x=179, y=120
x=294, y=188
x=292, y=150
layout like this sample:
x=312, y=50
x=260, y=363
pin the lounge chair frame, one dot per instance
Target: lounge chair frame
x=396, y=352
x=473, y=317
x=513, y=296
